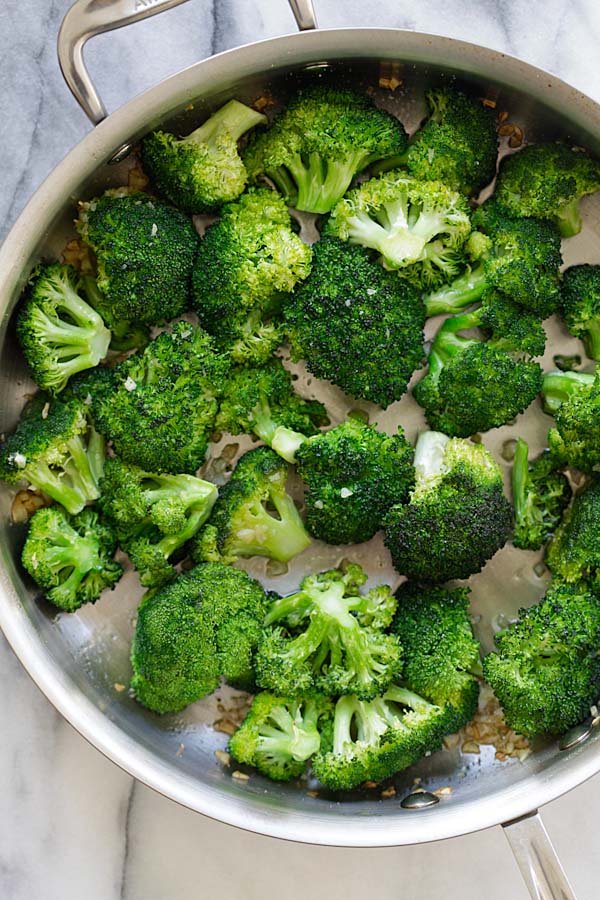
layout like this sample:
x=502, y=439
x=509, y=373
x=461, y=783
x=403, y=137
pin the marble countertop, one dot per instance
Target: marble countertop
x=73, y=825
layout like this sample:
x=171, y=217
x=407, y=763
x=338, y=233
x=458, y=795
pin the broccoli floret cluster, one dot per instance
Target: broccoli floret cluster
x=573, y=398
x=573, y=554
x=580, y=306
x=540, y=496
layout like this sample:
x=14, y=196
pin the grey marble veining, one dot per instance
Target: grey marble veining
x=72, y=825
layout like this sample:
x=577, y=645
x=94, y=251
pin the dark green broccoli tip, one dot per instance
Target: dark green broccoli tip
x=124, y=335
x=59, y=331
x=581, y=306
x=279, y=734
x=353, y=475
x=546, y=181
x=355, y=324
x=546, y=671
x=320, y=141
x=573, y=398
x=573, y=554
x=203, y=625
x=457, y=517
x=330, y=651
x=55, y=448
x=200, y=172
x=70, y=557
x=540, y=496
x=145, y=252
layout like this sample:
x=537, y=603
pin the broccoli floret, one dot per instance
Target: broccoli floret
x=573, y=398
x=474, y=385
x=279, y=734
x=573, y=554
x=124, y=335
x=540, y=496
x=418, y=227
x=55, y=448
x=162, y=408
x=144, y=250
x=248, y=262
x=327, y=649
x=441, y=656
x=59, y=332
x=518, y=257
x=242, y=523
x=70, y=557
x=356, y=324
x=546, y=671
x=457, y=517
x=581, y=306
x=205, y=624
x=547, y=181
x=320, y=141
x=262, y=401
x=353, y=475
x=200, y=172
x=373, y=740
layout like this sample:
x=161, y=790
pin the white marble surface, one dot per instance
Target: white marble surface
x=71, y=824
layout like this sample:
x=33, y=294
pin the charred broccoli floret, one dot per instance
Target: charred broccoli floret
x=580, y=306
x=540, y=496
x=573, y=554
x=573, y=398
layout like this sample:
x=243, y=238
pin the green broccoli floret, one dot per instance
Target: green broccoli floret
x=161, y=411
x=262, y=401
x=546, y=671
x=326, y=648
x=320, y=141
x=540, y=496
x=573, y=398
x=55, y=449
x=200, y=172
x=547, y=181
x=373, y=740
x=458, y=516
x=279, y=734
x=254, y=516
x=353, y=475
x=573, y=554
x=144, y=250
x=356, y=324
x=441, y=656
x=248, y=263
x=205, y=624
x=473, y=385
x=516, y=256
x=581, y=306
x=59, y=332
x=124, y=335
x=418, y=227
x=70, y=557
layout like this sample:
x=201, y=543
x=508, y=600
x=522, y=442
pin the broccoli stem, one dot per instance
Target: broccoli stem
x=520, y=479
x=234, y=118
x=557, y=387
x=591, y=338
x=287, y=442
x=320, y=182
x=462, y=292
x=429, y=456
x=265, y=535
x=568, y=218
x=296, y=737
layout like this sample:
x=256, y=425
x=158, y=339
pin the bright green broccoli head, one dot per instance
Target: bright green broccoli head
x=540, y=496
x=320, y=141
x=509, y=327
x=573, y=398
x=573, y=554
x=581, y=306
x=356, y=324
x=546, y=671
x=353, y=475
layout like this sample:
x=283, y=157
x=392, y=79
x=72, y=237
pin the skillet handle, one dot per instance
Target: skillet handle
x=537, y=859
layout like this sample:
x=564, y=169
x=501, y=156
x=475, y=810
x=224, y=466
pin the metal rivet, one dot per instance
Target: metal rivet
x=576, y=735
x=120, y=154
x=419, y=800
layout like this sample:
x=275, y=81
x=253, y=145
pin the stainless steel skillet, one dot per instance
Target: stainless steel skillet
x=80, y=661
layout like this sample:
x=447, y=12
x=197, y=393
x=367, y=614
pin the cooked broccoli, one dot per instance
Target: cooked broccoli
x=279, y=734
x=373, y=740
x=353, y=475
x=253, y=516
x=145, y=251
x=159, y=407
x=519, y=257
x=124, y=335
x=320, y=141
x=356, y=324
x=200, y=172
x=546, y=671
x=70, y=558
x=540, y=496
x=55, y=448
x=581, y=306
x=59, y=332
x=473, y=385
x=573, y=398
x=418, y=227
x=248, y=262
x=458, y=516
x=573, y=554
x=441, y=656
x=547, y=181
x=327, y=648
x=205, y=624
x=262, y=401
